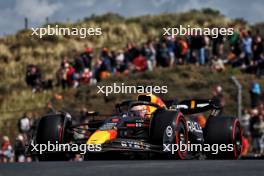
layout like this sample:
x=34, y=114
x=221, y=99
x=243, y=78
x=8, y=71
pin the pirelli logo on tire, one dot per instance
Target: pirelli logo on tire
x=169, y=131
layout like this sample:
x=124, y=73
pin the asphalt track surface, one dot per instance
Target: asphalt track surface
x=135, y=168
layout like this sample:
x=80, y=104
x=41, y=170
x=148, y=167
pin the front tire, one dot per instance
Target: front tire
x=53, y=129
x=169, y=127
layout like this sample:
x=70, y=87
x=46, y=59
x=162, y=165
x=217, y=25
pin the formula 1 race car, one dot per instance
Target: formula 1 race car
x=147, y=126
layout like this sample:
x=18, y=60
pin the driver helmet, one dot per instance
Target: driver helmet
x=141, y=110
x=152, y=99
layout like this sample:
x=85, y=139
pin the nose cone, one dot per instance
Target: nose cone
x=100, y=137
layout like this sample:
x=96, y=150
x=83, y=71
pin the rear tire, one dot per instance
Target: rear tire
x=224, y=130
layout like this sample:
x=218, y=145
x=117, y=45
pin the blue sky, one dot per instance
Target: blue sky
x=13, y=12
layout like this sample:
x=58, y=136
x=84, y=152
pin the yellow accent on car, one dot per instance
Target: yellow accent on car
x=192, y=104
x=99, y=137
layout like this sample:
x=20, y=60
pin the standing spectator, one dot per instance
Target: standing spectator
x=247, y=47
x=201, y=50
x=207, y=48
x=121, y=65
x=198, y=49
x=86, y=76
x=257, y=48
x=101, y=69
x=218, y=46
x=112, y=56
x=258, y=57
x=218, y=96
x=20, y=149
x=131, y=52
x=245, y=123
x=256, y=130
x=33, y=77
x=234, y=42
x=245, y=120
x=106, y=61
x=71, y=76
x=24, y=125
x=87, y=57
x=260, y=66
x=170, y=42
x=255, y=93
x=261, y=110
x=62, y=73
x=181, y=51
x=78, y=64
x=78, y=70
x=149, y=53
x=6, y=151
x=235, y=50
x=163, y=56
x=97, y=70
x=34, y=122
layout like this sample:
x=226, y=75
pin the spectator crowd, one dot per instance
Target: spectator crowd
x=242, y=50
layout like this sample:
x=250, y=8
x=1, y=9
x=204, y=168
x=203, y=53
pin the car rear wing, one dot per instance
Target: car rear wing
x=194, y=106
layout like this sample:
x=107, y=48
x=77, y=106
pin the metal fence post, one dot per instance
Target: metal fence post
x=239, y=96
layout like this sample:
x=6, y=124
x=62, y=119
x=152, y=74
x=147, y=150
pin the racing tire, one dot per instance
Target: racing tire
x=170, y=127
x=53, y=129
x=224, y=130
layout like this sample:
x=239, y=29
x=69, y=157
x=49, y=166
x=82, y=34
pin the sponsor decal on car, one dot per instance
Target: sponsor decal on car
x=194, y=127
x=135, y=144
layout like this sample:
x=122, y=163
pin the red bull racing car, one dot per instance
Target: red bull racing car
x=145, y=127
